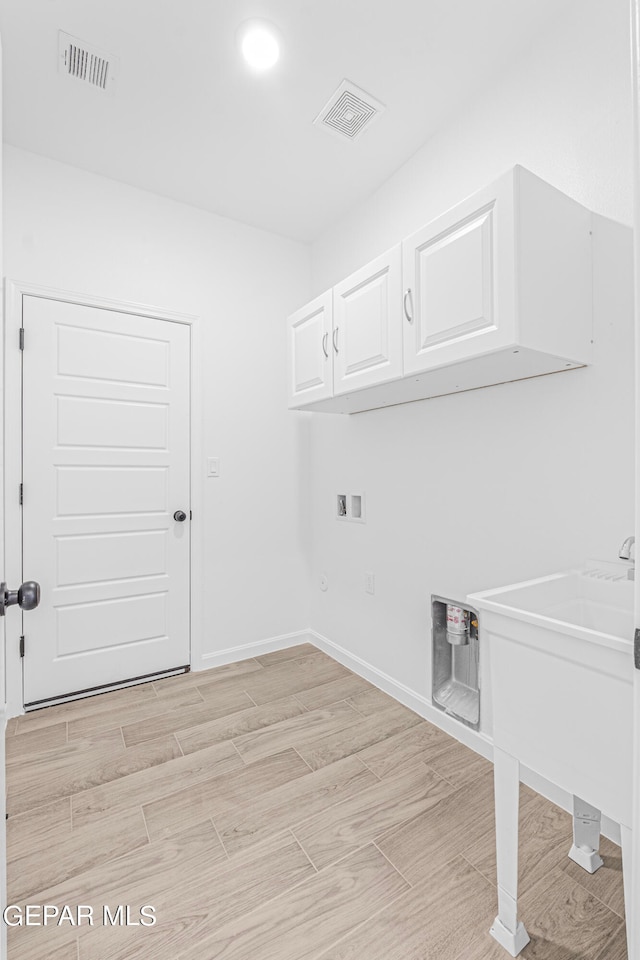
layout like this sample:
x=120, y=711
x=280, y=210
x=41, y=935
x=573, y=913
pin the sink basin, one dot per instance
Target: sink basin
x=557, y=659
x=594, y=603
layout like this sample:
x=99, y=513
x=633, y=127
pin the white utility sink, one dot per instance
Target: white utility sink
x=594, y=603
x=559, y=653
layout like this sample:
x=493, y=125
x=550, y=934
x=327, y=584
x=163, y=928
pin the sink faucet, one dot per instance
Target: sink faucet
x=626, y=552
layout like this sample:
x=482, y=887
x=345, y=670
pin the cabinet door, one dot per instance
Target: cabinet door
x=367, y=325
x=310, y=353
x=458, y=274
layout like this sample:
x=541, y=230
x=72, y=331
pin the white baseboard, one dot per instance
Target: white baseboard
x=473, y=739
x=248, y=650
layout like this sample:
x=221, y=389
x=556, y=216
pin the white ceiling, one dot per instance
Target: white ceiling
x=190, y=122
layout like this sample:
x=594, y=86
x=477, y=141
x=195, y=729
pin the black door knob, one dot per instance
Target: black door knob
x=29, y=595
x=180, y=516
x=26, y=596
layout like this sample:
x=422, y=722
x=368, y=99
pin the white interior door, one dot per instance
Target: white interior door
x=105, y=467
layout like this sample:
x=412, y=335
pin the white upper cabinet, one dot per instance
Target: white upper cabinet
x=367, y=327
x=509, y=266
x=497, y=289
x=310, y=352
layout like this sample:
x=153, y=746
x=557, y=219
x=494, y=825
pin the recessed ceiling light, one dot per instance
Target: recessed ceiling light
x=259, y=44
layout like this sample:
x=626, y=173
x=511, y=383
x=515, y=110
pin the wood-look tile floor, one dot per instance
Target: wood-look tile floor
x=279, y=809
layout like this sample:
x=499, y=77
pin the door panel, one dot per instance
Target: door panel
x=101, y=491
x=368, y=325
x=459, y=274
x=105, y=465
x=451, y=307
x=310, y=362
x=91, y=354
x=84, y=421
x=101, y=624
x=111, y=556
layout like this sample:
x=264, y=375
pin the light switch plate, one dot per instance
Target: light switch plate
x=213, y=467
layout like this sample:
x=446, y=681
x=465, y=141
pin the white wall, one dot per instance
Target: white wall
x=487, y=488
x=73, y=230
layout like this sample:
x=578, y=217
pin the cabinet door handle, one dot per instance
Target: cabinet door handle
x=335, y=339
x=408, y=297
x=325, y=341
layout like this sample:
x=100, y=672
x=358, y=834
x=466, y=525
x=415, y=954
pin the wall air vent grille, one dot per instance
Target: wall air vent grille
x=349, y=111
x=82, y=62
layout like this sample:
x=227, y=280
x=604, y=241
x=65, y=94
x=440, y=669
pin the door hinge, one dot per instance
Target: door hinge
x=190, y=514
x=21, y=494
x=22, y=646
x=22, y=338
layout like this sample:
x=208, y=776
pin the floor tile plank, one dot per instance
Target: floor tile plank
x=425, y=922
x=75, y=853
x=373, y=701
x=405, y=749
x=295, y=732
x=176, y=701
x=35, y=742
x=318, y=753
x=88, y=706
x=223, y=891
x=560, y=912
x=237, y=724
x=227, y=702
x=282, y=679
x=337, y=831
x=289, y=653
x=288, y=805
x=606, y=883
x=214, y=797
x=459, y=765
x=134, y=879
x=434, y=838
x=38, y=829
x=321, y=910
x=142, y=787
x=45, y=780
x=226, y=671
x=544, y=839
x=327, y=693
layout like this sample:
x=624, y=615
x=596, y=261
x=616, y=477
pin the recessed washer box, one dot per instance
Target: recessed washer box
x=456, y=662
x=351, y=506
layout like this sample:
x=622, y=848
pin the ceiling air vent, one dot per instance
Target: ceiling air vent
x=85, y=63
x=349, y=111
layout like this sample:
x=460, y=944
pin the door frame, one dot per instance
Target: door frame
x=14, y=291
x=633, y=925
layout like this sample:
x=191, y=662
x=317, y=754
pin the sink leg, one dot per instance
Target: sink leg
x=626, y=837
x=506, y=929
x=586, y=836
